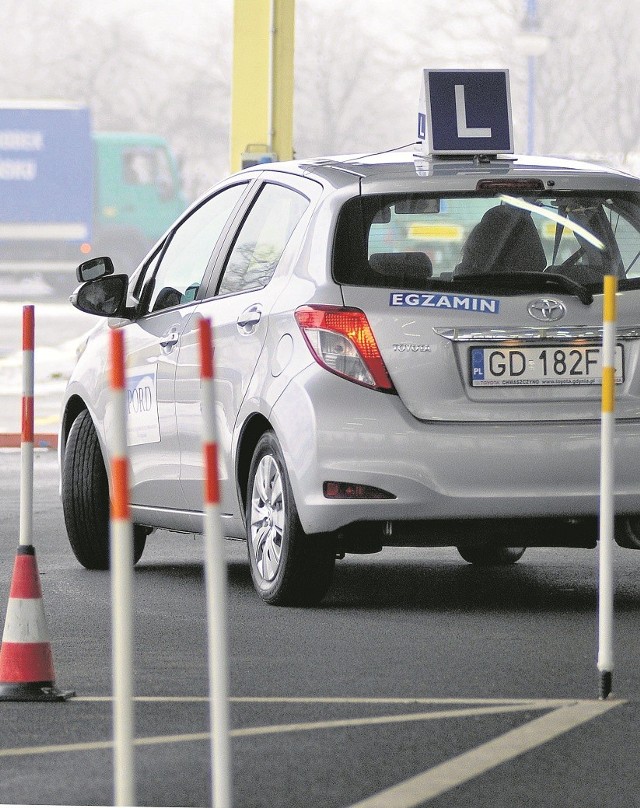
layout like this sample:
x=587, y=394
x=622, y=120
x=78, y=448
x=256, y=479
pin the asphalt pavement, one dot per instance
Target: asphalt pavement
x=420, y=681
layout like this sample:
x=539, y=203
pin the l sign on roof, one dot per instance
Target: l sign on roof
x=465, y=112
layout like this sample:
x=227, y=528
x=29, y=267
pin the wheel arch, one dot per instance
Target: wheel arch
x=74, y=406
x=84, y=490
x=253, y=429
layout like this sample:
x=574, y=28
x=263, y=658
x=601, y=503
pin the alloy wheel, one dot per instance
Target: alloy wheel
x=267, y=518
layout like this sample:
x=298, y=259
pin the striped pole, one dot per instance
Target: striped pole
x=121, y=556
x=26, y=445
x=26, y=659
x=216, y=584
x=607, y=514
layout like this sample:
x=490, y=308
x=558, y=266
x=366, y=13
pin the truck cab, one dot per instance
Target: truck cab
x=137, y=195
x=70, y=193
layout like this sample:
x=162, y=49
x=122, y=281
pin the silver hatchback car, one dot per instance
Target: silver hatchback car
x=407, y=352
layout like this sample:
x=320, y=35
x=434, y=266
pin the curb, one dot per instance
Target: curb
x=41, y=440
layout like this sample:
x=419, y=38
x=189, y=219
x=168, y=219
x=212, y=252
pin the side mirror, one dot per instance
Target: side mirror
x=104, y=296
x=94, y=268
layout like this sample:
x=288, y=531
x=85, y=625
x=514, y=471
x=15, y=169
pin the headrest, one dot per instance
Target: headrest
x=404, y=266
x=504, y=240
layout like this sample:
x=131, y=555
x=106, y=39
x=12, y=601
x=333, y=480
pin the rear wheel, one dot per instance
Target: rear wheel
x=85, y=498
x=489, y=556
x=288, y=566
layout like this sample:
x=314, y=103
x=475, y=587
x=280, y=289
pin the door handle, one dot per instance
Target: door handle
x=247, y=322
x=169, y=339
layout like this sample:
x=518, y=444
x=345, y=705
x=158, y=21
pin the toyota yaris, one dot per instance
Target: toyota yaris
x=407, y=352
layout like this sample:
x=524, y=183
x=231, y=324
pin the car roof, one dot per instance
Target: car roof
x=410, y=171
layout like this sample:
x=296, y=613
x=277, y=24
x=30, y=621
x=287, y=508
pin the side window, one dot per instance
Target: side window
x=138, y=166
x=149, y=167
x=164, y=177
x=182, y=266
x=262, y=239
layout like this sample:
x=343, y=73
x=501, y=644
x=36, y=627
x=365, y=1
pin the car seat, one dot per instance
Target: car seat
x=408, y=269
x=504, y=240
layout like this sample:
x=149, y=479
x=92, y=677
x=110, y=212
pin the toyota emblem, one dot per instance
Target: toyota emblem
x=547, y=309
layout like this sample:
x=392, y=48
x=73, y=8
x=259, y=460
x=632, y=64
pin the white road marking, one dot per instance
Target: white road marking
x=433, y=782
x=383, y=700
x=273, y=729
x=565, y=715
x=434, y=715
x=546, y=703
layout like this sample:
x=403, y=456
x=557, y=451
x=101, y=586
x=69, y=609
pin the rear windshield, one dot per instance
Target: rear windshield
x=422, y=242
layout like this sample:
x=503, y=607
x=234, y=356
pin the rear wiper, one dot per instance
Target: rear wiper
x=527, y=280
x=571, y=286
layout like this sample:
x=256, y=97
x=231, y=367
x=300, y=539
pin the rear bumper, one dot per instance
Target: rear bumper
x=366, y=537
x=439, y=470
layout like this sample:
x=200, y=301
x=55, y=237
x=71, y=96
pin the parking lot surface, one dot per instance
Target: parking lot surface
x=449, y=685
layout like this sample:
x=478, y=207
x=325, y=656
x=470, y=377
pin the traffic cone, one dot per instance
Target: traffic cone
x=26, y=661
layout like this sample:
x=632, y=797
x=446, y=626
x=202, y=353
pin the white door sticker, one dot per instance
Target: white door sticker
x=142, y=406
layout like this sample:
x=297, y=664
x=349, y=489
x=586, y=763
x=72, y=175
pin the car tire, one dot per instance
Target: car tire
x=288, y=567
x=85, y=498
x=489, y=556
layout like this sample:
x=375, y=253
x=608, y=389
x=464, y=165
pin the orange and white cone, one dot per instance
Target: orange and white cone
x=26, y=660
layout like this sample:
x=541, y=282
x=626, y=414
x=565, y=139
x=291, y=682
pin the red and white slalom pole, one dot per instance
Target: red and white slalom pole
x=216, y=584
x=121, y=557
x=26, y=445
x=26, y=659
x=607, y=511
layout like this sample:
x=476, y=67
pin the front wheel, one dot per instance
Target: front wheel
x=85, y=498
x=288, y=567
x=488, y=556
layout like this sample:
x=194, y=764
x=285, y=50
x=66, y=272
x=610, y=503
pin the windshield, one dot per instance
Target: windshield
x=503, y=240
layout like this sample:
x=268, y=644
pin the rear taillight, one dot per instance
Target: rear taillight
x=341, y=340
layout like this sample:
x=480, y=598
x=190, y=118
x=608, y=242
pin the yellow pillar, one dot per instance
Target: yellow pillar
x=282, y=103
x=262, y=79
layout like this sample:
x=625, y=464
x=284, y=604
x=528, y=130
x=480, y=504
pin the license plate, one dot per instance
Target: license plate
x=540, y=365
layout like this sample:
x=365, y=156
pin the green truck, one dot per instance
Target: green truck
x=68, y=193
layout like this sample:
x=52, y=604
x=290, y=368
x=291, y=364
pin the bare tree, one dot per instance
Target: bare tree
x=176, y=87
x=357, y=70
x=470, y=34
x=343, y=68
x=587, y=99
